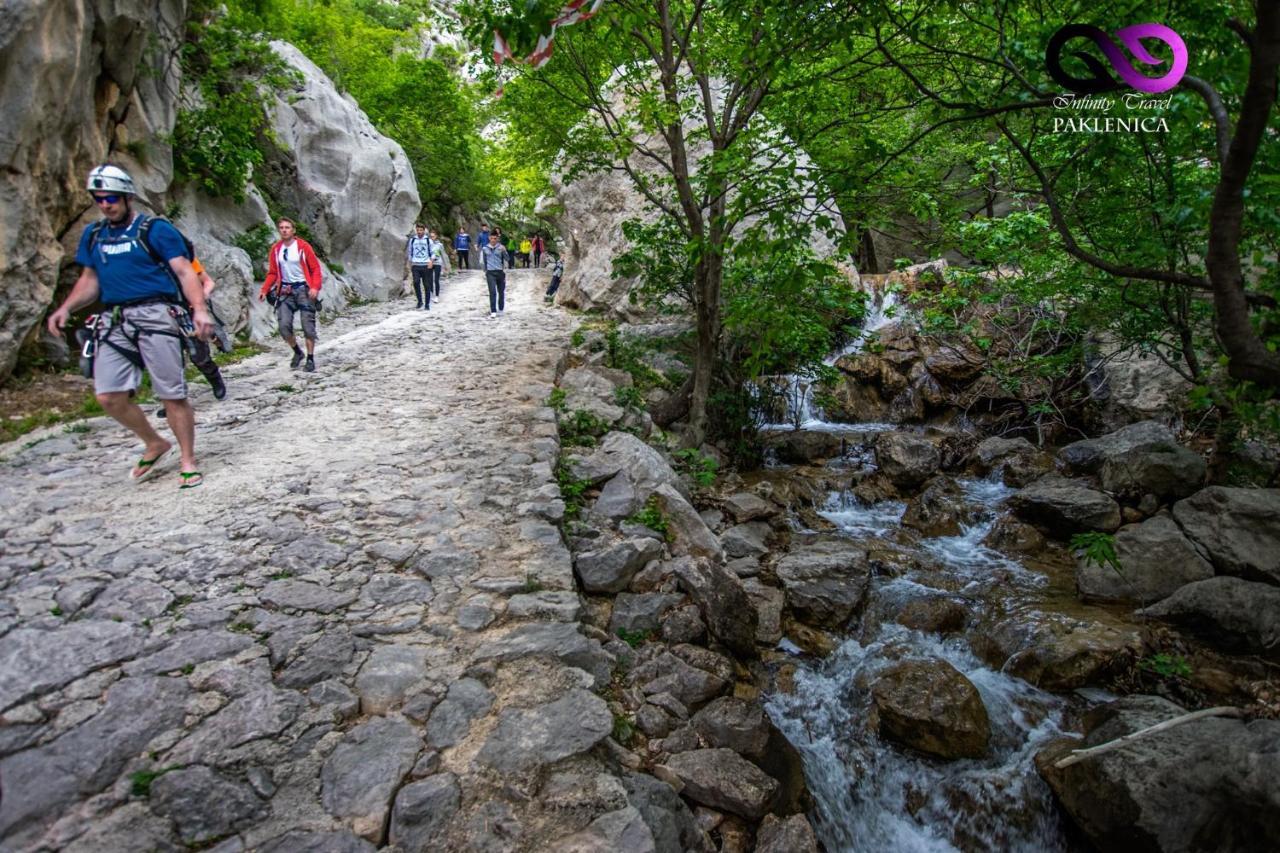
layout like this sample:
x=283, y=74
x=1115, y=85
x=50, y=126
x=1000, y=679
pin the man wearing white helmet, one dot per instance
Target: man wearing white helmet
x=137, y=278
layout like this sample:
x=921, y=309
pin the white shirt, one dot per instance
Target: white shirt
x=289, y=259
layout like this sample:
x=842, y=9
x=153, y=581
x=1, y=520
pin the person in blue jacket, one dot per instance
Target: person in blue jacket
x=462, y=245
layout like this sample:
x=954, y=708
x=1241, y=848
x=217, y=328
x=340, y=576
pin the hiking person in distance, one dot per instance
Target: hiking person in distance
x=293, y=277
x=539, y=246
x=492, y=257
x=557, y=272
x=437, y=261
x=526, y=251
x=141, y=282
x=462, y=248
x=418, y=251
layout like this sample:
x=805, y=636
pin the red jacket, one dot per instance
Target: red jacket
x=307, y=256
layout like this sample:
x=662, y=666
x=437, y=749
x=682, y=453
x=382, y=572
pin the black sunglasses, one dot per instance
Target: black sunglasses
x=106, y=199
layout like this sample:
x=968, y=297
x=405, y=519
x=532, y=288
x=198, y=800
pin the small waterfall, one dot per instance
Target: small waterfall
x=801, y=410
x=869, y=794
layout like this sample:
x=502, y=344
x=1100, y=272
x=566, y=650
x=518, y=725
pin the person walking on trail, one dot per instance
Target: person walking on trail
x=506, y=248
x=462, y=247
x=526, y=249
x=138, y=267
x=200, y=352
x=483, y=239
x=437, y=261
x=557, y=272
x=539, y=246
x=418, y=251
x=492, y=257
x=293, y=280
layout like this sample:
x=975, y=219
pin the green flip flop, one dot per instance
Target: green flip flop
x=188, y=482
x=148, y=467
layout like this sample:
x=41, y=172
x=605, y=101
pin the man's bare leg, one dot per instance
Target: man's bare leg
x=127, y=413
x=182, y=418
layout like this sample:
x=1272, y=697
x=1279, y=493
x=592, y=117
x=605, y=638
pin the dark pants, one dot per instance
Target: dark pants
x=464, y=260
x=537, y=257
x=497, y=280
x=202, y=358
x=554, y=286
x=421, y=281
x=435, y=276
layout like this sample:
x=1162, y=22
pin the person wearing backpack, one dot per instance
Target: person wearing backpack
x=418, y=251
x=557, y=272
x=138, y=267
x=293, y=278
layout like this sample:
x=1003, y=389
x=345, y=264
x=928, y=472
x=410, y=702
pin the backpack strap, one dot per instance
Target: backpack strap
x=144, y=237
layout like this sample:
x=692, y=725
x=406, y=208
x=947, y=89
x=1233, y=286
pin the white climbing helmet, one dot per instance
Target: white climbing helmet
x=107, y=178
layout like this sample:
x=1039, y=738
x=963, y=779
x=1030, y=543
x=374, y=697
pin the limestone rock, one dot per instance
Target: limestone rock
x=1155, y=560
x=1210, y=784
x=930, y=706
x=327, y=657
x=560, y=641
x=300, y=841
x=621, y=451
x=935, y=614
x=466, y=701
x=825, y=580
x=1057, y=652
x=388, y=674
x=527, y=738
x=1239, y=530
x=769, y=602
x=1088, y=456
x=720, y=596
x=786, y=835
x=745, y=506
x=345, y=171
x=1064, y=507
x=722, y=779
x=304, y=595
x=1136, y=386
x=363, y=771
x=204, y=805
x=799, y=447
x=906, y=459
x=33, y=662
x=634, y=613
x=690, y=685
x=939, y=510
x=1231, y=613
x=688, y=533
x=610, y=569
x=733, y=723
x=624, y=829
x=422, y=813
x=746, y=540
x=1168, y=472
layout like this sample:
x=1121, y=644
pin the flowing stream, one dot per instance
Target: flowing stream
x=873, y=796
x=801, y=410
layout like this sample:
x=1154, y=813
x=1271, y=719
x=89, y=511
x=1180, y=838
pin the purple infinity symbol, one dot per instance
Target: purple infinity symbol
x=1130, y=37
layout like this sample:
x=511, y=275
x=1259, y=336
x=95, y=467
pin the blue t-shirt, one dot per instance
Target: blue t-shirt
x=125, y=270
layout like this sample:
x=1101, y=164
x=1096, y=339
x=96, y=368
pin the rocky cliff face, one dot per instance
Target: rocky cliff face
x=594, y=207
x=84, y=82
x=79, y=79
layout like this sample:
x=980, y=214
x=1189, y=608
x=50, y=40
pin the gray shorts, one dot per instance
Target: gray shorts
x=150, y=331
x=297, y=302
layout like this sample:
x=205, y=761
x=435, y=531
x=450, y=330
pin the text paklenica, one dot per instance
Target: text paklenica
x=1110, y=124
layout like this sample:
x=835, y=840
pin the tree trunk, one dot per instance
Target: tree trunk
x=674, y=407
x=709, y=272
x=1248, y=356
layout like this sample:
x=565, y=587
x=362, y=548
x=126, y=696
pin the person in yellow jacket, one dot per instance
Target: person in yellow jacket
x=526, y=249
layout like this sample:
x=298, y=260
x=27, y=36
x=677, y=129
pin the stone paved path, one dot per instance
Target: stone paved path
x=360, y=631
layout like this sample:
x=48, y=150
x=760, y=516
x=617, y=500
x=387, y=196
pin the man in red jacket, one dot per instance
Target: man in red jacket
x=293, y=276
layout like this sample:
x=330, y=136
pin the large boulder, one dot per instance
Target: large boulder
x=724, y=780
x=1233, y=614
x=730, y=616
x=623, y=452
x=1055, y=651
x=734, y=723
x=353, y=187
x=825, y=580
x=939, y=510
x=1205, y=785
x=929, y=706
x=687, y=533
x=611, y=568
x=1239, y=530
x=1168, y=472
x=1064, y=507
x=1088, y=456
x=906, y=459
x=1155, y=560
x=801, y=446
x=1135, y=386
x=82, y=80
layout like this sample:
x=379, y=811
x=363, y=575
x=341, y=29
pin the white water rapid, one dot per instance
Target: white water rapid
x=873, y=796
